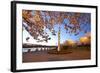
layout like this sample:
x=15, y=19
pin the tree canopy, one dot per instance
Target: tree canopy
x=36, y=21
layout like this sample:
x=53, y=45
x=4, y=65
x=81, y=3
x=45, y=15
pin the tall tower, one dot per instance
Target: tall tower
x=58, y=40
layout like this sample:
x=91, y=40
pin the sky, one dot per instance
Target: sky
x=54, y=39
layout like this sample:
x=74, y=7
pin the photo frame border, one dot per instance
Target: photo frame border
x=13, y=35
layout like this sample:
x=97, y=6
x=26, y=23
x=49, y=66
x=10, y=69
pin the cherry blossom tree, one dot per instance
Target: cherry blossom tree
x=35, y=22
